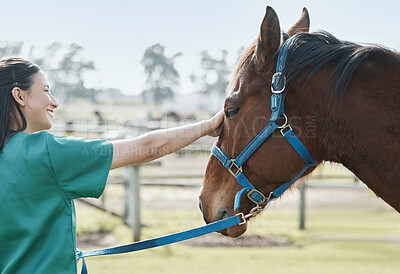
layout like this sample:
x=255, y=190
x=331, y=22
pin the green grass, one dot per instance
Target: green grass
x=323, y=257
x=336, y=241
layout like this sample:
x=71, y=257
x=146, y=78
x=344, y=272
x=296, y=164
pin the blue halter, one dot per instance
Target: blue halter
x=234, y=166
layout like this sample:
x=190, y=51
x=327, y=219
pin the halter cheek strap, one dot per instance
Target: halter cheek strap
x=235, y=166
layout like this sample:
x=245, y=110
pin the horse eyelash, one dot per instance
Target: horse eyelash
x=231, y=112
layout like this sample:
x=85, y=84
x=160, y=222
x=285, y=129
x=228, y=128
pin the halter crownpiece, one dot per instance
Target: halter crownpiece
x=235, y=166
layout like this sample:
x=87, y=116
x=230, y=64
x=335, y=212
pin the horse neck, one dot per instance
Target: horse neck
x=361, y=130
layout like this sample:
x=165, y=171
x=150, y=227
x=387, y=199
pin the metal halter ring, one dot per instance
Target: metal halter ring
x=258, y=209
x=276, y=76
x=282, y=129
x=242, y=217
x=285, y=123
x=239, y=169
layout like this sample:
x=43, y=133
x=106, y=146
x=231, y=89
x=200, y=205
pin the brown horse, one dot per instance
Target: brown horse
x=342, y=101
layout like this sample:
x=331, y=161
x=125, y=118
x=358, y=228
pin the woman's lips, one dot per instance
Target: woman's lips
x=50, y=112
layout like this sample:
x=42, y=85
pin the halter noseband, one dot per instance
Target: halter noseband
x=234, y=166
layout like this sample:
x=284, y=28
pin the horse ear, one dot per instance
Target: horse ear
x=302, y=25
x=270, y=36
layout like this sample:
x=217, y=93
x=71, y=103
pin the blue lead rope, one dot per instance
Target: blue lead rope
x=164, y=240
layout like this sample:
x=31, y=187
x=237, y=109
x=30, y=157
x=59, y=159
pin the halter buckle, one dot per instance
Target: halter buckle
x=253, y=194
x=238, y=168
x=275, y=81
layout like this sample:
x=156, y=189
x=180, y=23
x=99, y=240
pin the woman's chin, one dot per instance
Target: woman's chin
x=49, y=125
x=45, y=127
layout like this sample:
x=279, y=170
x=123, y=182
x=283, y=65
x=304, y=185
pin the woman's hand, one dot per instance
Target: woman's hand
x=215, y=124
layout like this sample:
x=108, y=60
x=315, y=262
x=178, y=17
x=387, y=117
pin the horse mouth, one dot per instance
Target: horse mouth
x=223, y=214
x=234, y=231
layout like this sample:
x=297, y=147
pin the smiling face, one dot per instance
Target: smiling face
x=37, y=104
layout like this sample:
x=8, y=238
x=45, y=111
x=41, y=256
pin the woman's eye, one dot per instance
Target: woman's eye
x=231, y=112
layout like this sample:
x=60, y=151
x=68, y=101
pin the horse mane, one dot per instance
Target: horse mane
x=314, y=50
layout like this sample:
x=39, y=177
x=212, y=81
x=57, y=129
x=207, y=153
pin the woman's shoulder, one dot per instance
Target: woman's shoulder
x=23, y=146
x=40, y=136
x=44, y=141
x=23, y=138
x=32, y=143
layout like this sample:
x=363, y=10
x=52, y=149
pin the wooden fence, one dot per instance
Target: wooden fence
x=132, y=182
x=132, y=179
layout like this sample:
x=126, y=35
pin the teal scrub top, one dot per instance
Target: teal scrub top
x=40, y=176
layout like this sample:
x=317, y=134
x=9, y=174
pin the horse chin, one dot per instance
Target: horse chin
x=234, y=231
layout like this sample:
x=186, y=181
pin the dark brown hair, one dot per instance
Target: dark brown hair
x=14, y=72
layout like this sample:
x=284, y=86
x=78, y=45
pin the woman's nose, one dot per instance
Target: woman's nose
x=54, y=102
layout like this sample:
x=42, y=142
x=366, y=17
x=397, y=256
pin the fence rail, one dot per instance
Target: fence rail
x=133, y=181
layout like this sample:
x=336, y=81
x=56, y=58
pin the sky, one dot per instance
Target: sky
x=115, y=34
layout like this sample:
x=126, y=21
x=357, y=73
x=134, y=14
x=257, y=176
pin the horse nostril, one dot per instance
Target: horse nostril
x=223, y=214
x=201, y=209
x=201, y=206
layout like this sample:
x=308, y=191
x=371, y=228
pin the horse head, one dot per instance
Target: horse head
x=247, y=111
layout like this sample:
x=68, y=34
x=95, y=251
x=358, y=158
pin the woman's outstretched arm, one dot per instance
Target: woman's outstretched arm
x=158, y=143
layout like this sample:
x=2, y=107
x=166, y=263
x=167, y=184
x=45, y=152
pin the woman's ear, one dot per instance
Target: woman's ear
x=19, y=96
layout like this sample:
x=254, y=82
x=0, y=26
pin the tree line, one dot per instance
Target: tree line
x=65, y=66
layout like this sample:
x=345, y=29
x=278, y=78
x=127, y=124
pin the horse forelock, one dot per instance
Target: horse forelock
x=248, y=55
x=245, y=57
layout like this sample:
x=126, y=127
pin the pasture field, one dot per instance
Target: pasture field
x=335, y=241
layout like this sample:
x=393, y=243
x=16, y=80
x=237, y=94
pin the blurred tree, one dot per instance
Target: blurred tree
x=8, y=48
x=215, y=75
x=64, y=67
x=162, y=77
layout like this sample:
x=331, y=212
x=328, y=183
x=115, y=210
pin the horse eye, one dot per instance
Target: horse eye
x=231, y=112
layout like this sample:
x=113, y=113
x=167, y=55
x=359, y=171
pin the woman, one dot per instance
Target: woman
x=41, y=174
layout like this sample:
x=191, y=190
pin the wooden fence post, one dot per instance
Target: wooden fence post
x=132, y=200
x=302, y=223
